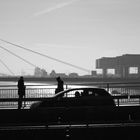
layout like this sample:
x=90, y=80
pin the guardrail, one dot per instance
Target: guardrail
x=123, y=93
x=133, y=100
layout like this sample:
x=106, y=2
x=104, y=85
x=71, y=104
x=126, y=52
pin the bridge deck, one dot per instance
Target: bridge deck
x=35, y=124
x=82, y=132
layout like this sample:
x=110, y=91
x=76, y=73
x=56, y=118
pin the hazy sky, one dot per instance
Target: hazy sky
x=74, y=31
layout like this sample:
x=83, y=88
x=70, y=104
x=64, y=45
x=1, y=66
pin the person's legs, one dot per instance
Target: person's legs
x=19, y=102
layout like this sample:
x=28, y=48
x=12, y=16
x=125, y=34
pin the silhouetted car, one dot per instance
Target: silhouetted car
x=77, y=97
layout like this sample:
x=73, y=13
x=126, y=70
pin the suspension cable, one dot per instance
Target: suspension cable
x=66, y=63
x=7, y=67
x=18, y=56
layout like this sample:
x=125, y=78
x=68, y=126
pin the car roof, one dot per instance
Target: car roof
x=101, y=90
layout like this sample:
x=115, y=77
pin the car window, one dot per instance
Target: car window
x=92, y=92
x=72, y=93
x=101, y=92
x=88, y=92
x=80, y=93
x=84, y=93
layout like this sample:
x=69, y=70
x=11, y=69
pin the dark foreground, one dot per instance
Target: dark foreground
x=80, y=124
x=96, y=132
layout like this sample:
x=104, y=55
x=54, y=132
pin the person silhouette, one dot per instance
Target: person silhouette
x=60, y=85
x=77, y=94
x=21, y=91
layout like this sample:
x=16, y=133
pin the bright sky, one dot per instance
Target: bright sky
x=74, y=31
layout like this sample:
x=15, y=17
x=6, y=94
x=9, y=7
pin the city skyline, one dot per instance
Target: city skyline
x=74, y=31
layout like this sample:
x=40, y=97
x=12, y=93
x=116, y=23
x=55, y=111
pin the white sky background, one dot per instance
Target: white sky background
x=75, y=31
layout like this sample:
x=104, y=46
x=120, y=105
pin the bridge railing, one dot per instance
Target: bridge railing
x=10, y=93
x=133, y=100
x=123, y=93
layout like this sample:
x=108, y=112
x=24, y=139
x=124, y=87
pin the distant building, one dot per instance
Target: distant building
x=37, y=72
x=54, y=74
x=86, y=76
x=61, y=75
x=40, y=72
x=124, y=66
x=93, y=73
x=73, y=74
x=44, y=73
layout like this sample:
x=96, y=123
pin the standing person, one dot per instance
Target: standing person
x=21, y=91
x=60, y=85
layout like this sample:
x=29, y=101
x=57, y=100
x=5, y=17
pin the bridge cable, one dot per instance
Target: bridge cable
x=18, y=56
x=66, y=63
x=7, y=67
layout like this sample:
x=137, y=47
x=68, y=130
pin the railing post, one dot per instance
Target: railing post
x=24, y=105
x=66, y=86
x=118, y=102
x=108, y=87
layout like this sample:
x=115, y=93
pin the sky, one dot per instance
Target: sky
x=74, y=31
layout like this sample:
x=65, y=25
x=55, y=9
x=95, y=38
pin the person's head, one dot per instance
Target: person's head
x=77, y=94
x=21, y=77
x=58, y=78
